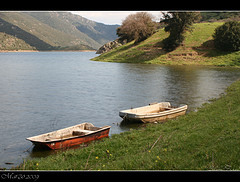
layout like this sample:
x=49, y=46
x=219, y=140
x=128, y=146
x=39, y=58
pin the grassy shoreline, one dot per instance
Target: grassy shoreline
x=197, y=49
x=207, y=139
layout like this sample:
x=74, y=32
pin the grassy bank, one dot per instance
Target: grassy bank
x=208, y=139
x=198, y=49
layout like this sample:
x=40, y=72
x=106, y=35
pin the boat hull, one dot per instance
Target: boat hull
x=135, y=115
x=75, y=141
x=157, y=118
x=72, y=141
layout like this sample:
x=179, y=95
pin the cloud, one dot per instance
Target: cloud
x=111, y=17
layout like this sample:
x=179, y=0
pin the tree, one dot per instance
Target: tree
x=227, y=36
x=177, y=23
x=137, y=27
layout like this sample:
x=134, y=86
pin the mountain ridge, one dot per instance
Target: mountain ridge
x=55, y=30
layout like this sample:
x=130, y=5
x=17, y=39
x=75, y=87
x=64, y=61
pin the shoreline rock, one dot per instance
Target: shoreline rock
x=110, y=45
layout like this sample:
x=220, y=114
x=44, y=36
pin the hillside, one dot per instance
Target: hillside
x=11, y=43
x=55, y=30
x=197, y=49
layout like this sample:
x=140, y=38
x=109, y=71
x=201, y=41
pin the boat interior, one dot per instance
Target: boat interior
x=151, y=108
x=77, y=130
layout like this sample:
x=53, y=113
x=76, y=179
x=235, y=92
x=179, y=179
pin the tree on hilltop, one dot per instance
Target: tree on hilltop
x=177, y=23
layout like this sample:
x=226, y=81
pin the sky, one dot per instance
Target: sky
x=111, y=17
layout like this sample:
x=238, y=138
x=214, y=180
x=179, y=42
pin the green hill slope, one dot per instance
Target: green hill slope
x=197, y=49
x=55, y=30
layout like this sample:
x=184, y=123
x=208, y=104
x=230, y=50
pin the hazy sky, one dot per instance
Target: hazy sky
x=111, y=17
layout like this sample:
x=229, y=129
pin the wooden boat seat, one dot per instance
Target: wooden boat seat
x=81, y=132
x=157, y=111
x=165, y=109
x=93, y=128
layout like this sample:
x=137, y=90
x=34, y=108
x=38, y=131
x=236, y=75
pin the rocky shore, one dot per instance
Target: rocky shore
x=110, y=45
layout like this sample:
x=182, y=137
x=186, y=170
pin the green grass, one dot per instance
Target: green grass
x=208, y=139
x=198, y=49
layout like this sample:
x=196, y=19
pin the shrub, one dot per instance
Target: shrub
x=227, y=36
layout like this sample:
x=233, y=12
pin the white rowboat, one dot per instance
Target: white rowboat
x=154, y=112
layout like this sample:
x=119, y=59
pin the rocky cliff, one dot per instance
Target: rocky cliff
x=110, y=45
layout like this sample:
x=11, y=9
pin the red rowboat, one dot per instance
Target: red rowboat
x=71, y=136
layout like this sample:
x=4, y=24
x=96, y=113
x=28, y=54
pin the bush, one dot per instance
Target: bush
x=227, y=36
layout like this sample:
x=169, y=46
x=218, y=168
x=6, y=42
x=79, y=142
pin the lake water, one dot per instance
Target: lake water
x=45, y=91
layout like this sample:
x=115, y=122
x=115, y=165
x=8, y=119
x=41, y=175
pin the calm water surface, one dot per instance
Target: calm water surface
x=45, y=91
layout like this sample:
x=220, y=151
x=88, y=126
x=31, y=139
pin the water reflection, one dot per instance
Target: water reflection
x=192, y=85
x=42, y=151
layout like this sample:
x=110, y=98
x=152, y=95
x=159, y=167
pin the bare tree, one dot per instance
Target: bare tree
x=137, y=27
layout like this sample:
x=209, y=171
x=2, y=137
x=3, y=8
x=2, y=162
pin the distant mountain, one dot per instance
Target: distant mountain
x=53, y=31
x=218, y=16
